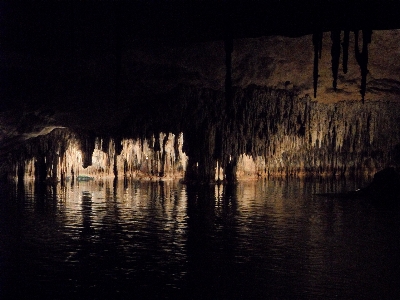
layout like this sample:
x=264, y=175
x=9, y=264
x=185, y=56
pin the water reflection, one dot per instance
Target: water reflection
x=126, y=239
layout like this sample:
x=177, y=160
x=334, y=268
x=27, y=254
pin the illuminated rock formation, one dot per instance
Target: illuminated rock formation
x=288, y=135
x=273, y=133
x=63, y=155
x=234, y=103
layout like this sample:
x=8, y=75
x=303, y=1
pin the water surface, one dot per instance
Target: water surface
x=165, y=240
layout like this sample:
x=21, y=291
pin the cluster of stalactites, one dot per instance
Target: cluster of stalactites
x=346, y=138
x=276, y=133
x=159, y=157
x=62, y=156
x=42, y=158
x=361, y=57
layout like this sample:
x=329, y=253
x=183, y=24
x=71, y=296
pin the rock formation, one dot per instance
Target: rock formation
x=383, y=190
x=273, y=133
x=125, y=100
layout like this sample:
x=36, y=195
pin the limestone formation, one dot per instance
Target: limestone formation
x=273, y=133
x=217, y=110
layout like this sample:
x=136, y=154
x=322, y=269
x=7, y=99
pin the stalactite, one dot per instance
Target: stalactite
x=228, y=76
x=335, y=52
x=40, y=168
x=115, y=166
x=87, y=146
x=320, y=45
x=164, y=160
x=345, y=46
x=317, y=42
x=117, y=151
x=118, y=145
x=272, y=121
x=275, y=133
x=230, y=170
x=362, y=58
x=21, y=171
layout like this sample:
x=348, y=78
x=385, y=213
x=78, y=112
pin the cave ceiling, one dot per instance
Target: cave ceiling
x=90, y=64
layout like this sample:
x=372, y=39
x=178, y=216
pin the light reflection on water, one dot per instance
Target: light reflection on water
x=132, y=240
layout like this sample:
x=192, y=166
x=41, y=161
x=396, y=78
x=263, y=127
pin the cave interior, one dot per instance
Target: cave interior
x=205, y=91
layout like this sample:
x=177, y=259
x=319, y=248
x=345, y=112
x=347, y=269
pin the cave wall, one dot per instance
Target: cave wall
x=279, y=62
x=285, y=135
x=344, y=138
x=264, y=132
x=66, y=155
x=157, y=110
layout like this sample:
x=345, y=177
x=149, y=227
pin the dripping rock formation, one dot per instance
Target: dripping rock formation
x=274, y=133
x=219, y=94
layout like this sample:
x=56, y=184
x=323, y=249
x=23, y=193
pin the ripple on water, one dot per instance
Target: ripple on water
x=265, y=239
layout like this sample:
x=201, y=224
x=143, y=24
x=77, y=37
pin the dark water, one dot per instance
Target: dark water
x=258, y=240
